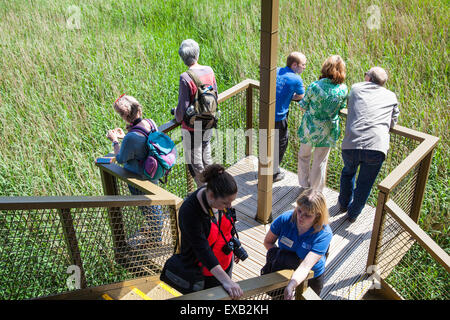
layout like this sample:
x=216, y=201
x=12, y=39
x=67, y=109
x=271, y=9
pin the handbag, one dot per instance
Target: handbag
x=181, y=276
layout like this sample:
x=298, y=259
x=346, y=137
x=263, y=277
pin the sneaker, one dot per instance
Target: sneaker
x=351, y=219
x=278, y=176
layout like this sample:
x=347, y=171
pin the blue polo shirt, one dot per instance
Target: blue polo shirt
x=288, y=83
x=289, y=239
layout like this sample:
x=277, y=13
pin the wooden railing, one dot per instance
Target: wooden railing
x=266, y=287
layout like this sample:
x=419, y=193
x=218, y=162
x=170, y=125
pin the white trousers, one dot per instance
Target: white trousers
x=314, y=177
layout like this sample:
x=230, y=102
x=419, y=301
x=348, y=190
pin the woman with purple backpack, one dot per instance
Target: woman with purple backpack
x=133, y=152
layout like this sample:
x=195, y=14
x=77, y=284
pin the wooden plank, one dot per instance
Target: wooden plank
x=114, y=290
x=250, y=287
x=71, y=240
x=309, y=294
x=137, y=182
x=61, y=202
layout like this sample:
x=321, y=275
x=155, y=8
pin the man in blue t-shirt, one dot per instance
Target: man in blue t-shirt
x=289, y=87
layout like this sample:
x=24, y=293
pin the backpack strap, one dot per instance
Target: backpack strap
x=194, y=78
x=142, y=130
x=152, y=124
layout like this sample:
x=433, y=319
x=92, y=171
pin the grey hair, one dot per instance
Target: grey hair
x=129, y=107
x=189, y=52
x=378, y=75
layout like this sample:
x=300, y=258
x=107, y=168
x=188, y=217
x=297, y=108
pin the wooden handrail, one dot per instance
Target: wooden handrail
x=138, y=182
x=28, y=203
x=253, y=286
x=418, y=234
x=409, y=163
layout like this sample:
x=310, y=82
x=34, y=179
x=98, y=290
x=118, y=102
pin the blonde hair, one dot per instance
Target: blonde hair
x=128, y=107
x=295, y=57
x=314, y=202
x=333, y=68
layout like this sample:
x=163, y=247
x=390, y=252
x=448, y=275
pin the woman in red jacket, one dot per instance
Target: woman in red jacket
x=207, y=226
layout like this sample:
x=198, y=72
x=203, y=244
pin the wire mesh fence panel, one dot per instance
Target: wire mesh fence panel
x=403, y=194
x=33, y=256
x=408, y=267
x=277, y=294
x=50, y=251
x=177, y=178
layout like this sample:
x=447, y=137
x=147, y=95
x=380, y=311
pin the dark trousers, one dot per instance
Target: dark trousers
x=369, y=163
x=283, y=136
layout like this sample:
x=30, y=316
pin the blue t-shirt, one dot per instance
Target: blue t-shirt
x=288, y=239
x=288, y=83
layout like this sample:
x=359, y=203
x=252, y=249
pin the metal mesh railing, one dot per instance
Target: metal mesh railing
x=52, y=250
x=407, y=266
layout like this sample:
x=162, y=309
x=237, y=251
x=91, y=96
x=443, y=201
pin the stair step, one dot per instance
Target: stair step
x=135, y=294
x=162, y=292
x=106, y=296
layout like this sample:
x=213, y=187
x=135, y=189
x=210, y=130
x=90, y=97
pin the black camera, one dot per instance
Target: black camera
x=235, y=245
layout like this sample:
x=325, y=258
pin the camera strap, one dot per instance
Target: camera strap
x=213, y=218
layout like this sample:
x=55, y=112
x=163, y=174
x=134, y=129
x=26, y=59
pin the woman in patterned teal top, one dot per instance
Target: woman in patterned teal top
x=320, y=124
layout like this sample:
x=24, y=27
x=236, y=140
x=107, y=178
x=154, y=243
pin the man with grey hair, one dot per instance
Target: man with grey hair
x=372, y=112
x=196, y=141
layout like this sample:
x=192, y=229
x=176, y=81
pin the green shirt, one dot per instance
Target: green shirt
x=320, y=123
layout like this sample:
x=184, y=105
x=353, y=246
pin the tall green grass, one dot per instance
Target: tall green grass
x=57, y=85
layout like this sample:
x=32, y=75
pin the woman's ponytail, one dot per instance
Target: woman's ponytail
x=220, y=182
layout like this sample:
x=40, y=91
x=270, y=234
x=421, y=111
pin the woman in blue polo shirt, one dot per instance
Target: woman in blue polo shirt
x=305, y=232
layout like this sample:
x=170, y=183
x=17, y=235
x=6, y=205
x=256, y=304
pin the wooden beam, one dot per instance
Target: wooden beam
x=267, y=95
x=71, y=240
x=138, y=182
x=372, y=255
x=61, y=202
x=264, y=283
x=421, y=183
x=309, y=294
x=115, y=290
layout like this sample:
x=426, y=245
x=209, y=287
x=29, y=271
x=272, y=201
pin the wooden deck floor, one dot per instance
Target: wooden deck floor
x=345, y=276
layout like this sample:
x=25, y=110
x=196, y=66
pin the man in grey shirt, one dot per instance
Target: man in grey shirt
x=372, y=111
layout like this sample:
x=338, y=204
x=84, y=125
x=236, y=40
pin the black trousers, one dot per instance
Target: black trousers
x=283, y=136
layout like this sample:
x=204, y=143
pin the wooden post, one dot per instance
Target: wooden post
x=189, y=180
x=302, y=287
x=419, y=191
x=249, y=122
x=268, y=72
x=115, y=216
x=377, y=228
x=72, y=243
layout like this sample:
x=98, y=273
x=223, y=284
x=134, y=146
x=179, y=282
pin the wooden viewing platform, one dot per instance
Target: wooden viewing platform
x=345, y=273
